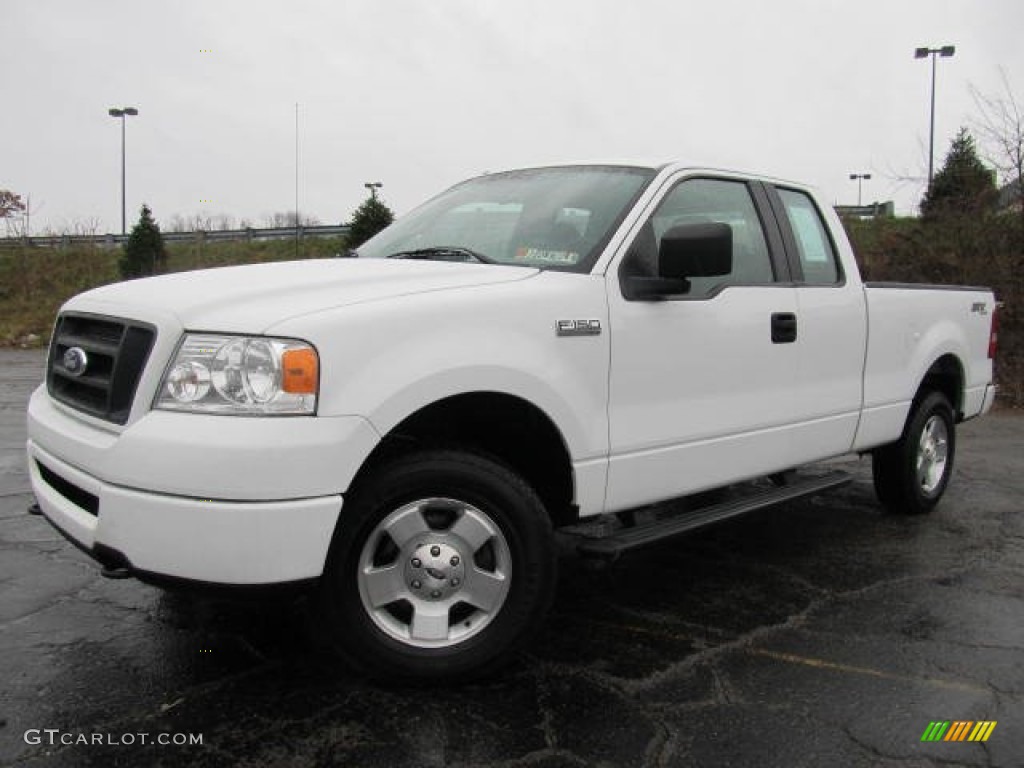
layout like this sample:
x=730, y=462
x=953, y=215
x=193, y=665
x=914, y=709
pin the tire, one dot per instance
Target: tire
x=442, y=566
x=912, y=474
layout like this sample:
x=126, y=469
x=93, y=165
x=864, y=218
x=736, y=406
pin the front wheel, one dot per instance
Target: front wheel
x=442, y=565
x=912, y=474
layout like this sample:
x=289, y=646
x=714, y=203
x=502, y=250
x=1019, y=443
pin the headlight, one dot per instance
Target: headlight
x=241, y=375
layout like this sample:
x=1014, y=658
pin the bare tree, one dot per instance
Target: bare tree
x=90, y=226
x=199, y=222
x=83, y=227
x=223, y=221
x=274, y=219
x=203, y=222
x=1001, y=128
x=287, y=219
x=177, y=223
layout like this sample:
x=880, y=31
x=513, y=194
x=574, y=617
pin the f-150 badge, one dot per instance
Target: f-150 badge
x=578, y=327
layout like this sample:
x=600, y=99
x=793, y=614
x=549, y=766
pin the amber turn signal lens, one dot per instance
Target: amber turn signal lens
x=299, y=371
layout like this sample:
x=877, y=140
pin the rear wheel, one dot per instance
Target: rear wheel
x=912, y=474
x=442, y=566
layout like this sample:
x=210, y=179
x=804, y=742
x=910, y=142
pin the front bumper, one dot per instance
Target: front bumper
x=218, y=542
x=216, y=499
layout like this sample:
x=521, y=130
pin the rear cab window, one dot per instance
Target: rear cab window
x=814, y=247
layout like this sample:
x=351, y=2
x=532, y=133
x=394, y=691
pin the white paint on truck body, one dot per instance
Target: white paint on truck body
x=657, y=399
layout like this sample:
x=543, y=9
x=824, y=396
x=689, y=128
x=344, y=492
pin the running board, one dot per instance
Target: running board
x=613, y=544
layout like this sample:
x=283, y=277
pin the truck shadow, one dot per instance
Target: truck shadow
x=246, y=675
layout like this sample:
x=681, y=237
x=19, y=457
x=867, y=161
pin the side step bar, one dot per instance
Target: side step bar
x=612, y=545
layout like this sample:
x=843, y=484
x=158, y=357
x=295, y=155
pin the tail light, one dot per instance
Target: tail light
x=993, y=334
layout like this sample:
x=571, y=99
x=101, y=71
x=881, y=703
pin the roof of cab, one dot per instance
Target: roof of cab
x=666, y=167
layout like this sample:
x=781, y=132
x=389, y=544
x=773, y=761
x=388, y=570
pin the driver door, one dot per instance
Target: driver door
x=702, y=385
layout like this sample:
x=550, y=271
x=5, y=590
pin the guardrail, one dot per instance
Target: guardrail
x=214, y=235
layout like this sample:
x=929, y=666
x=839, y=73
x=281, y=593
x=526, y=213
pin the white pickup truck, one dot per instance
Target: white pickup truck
x=404, y=432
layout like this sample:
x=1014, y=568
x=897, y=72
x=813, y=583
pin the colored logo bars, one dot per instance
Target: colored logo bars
x=958, y=730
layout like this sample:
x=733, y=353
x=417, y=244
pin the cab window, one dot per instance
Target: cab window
x=708, y=200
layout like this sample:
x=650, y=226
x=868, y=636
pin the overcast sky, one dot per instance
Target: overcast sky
x=419, y=94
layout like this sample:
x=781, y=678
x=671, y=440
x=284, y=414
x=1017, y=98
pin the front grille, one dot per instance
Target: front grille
x=115, y=355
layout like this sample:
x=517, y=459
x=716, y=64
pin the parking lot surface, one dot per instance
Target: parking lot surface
x=821, y=633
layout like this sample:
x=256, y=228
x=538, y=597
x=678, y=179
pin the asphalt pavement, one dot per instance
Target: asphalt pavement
x=821, y=633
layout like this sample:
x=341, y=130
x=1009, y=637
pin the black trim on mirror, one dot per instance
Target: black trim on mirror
x=696, y=250
x=637, y=288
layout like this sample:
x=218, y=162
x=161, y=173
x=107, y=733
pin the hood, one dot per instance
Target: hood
x=252, y=298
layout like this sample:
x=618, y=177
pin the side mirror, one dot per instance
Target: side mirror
x=696, y=250
x=689, y=250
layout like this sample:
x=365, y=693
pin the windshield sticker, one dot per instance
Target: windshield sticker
x=546, y=256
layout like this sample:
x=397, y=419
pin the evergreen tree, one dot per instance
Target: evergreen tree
x=369, y=219
x=144, y=253
x=963, y=185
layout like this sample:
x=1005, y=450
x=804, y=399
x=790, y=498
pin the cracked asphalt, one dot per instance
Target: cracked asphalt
x=819, y=633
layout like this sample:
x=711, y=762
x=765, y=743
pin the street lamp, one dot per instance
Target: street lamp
x=122, y=113
x=923, y=53
x=373, y=186
x=860, y=178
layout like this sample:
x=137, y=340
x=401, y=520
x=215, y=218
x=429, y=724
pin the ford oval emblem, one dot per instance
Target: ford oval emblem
x=76, y=361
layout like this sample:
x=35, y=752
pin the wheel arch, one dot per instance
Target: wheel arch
x=945, y=375
x=507, y=427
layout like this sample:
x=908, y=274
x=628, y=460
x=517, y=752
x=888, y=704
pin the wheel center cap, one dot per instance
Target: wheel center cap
x=434, y=570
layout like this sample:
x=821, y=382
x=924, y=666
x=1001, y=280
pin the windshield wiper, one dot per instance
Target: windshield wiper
x=444, y=253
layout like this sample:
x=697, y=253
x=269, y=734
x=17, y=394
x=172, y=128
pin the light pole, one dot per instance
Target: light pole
x=122, y=113
x=373, y=186
x=923, y=53
x=860, y=178
x=296, y=180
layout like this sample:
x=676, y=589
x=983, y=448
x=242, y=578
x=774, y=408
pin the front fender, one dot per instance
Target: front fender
x=386, y=360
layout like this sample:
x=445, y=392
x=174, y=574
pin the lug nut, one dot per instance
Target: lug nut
x=416, y=584
x=435, y=594
x=455, y=582
x=455, y=560
x=416, y=562
x=435, y=550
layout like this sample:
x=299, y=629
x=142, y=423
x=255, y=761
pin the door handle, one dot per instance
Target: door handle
x=783, y=328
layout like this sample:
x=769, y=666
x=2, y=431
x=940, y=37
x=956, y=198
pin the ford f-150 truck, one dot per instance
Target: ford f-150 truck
x=404, y=432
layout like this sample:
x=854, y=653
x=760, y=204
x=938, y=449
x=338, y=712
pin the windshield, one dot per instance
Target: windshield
x=547, y=218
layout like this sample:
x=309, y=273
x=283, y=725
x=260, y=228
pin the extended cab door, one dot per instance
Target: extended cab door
x=831, y=325
x=702, y=385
